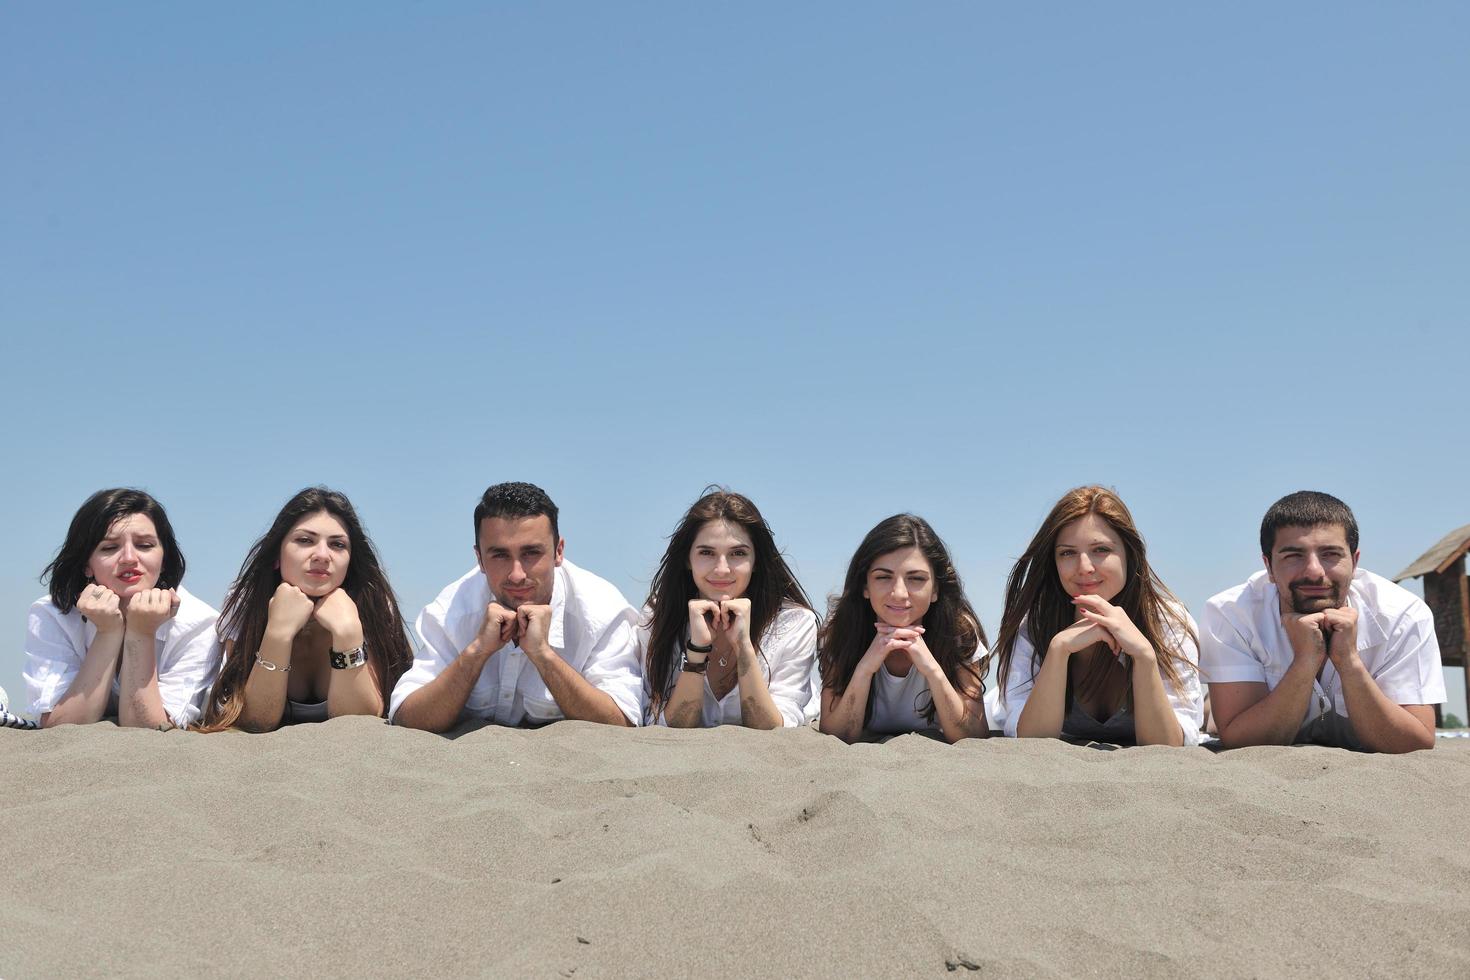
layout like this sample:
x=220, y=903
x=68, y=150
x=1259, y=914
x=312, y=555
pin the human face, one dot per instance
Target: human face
x=315, y=554
x=1091, y=559
x=129, y=558
x=518, y=558
x=901, y=587
x=721, y=560
x=1311, y=567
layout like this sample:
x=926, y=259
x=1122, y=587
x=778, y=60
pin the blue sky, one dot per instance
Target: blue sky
x=849, y=259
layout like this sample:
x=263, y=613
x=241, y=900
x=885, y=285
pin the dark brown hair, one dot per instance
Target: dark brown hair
x=1035, y=596
x=772, y=585
x=66, y=576
x=952, y=630
x=247, y=606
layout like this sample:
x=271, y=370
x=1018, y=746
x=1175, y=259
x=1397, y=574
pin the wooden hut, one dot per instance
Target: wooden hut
x=1447, y=593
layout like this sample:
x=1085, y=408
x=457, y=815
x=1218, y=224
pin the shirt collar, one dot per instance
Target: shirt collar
x=555, y=633
x=1372, y=630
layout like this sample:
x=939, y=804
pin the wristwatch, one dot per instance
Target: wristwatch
x=696, y=668
x=350, y=659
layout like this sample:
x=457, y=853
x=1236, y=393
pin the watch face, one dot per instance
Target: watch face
x=352, y=658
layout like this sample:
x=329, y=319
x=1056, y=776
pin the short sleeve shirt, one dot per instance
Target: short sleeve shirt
x=188, y=655
x=592, y=628
x=788, y=651
x=1187, y=700
x=1242, y=640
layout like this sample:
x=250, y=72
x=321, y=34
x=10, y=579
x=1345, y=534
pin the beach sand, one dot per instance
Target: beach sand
x=356, y=848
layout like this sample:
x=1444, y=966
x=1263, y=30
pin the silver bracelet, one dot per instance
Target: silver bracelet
x=272, y=667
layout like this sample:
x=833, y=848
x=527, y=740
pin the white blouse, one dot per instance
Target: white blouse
x=1188, y=701
x=788, y=653
x=188, y=657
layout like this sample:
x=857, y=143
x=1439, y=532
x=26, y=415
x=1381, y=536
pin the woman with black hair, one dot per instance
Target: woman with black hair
x=118, y=635
x=311, y=626
x=903, y=649
x=728, y=636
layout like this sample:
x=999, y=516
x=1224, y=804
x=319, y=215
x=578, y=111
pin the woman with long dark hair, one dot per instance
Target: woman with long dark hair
x=1092, y=644
x=118, y=635
x=311, y=626
x=903, y=649
x=728, y=636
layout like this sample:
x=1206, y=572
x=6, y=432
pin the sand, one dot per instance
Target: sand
x=355, y=848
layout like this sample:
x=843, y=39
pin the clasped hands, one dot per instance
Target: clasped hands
x=527, y=626
x=145, y=613
x=1331, y=634
x=731, y=617
x=1102, y=622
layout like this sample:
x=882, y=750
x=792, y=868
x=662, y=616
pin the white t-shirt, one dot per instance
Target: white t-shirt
x=788, y=654
x=592, y=628
x=898, y=702
x=187, y=649
x=1242, y=640
x=1188, y=701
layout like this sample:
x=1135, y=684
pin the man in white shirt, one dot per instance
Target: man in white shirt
x=1316, y=649
x=524, y=638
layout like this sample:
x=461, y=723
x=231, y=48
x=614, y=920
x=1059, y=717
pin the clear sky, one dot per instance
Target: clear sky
x=847, y=258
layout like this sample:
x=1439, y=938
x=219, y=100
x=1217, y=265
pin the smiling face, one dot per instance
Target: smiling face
x=1091, y=559
x=1311, y=567
x=129, y=558
x=901, y=587
x=721, y=560
x=518, y=557
x=315, y=554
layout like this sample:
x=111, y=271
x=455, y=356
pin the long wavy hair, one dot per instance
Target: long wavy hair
x=772, y=585
x=247, y=606
x=1035, y=596
x=66, y=576
x=952, y=629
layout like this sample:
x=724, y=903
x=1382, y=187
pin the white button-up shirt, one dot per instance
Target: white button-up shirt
x=187, y=649
x=592, y=628
x=788, y=654
x=1187, y=700
x=1242, y=640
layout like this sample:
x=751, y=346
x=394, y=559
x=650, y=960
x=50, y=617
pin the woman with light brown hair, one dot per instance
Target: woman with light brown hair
x=1092, y=644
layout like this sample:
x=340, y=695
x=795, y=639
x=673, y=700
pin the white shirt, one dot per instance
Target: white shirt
x=788, y=654
x=1242, y=640
x=592, y=628
x=187, y=648
x=898, y=702
x=1188, y=700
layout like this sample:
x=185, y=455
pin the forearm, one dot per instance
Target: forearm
x=757, y=707
x=437, y=705
x=1380, y=723
x=958, y=716
x=574, y=695
x=685, y=707
x=844, y=715
x=85, y=701
x=139, y=705
x=353, y=690
x=1276, y=718
x=1046, y=706
x=1154, y=721
x=265, y=689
